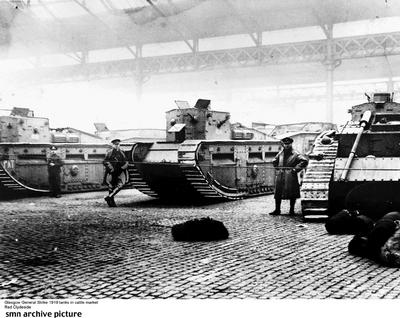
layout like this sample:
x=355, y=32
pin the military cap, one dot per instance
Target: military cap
x=52, y=147
x=116, y=140
x=287, y=140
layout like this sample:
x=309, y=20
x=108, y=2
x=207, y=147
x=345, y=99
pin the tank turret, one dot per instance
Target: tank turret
x=22, y=126
x=198, y=122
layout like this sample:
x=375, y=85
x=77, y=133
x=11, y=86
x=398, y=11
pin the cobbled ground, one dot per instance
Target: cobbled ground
x=77, y=247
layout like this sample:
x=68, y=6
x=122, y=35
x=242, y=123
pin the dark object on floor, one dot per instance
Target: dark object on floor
x=363, y=225
x=393, y=216
x=359, y=246
x=382, y=231
x=343, y=222
x=204, y=229
x=390, y=251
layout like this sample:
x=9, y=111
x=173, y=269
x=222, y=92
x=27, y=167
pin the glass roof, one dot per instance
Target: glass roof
x=50, y=9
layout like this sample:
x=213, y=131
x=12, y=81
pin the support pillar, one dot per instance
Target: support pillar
x=139, y=78
x=330, y=64
x=390, y=85
x=84, y=57
x=258, y=45
x=195, y=51
x=329, y=91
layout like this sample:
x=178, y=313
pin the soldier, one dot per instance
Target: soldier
x=116, y=171
x=54, y=165
x=287, y=163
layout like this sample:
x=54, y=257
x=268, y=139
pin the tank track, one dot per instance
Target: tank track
x=136, y=180
x=205, y=189
x=315, y=186
x=205, y=185
x=10, y=185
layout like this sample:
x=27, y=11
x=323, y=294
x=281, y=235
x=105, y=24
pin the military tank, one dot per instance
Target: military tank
x=203, y=158
x=357, y=167
x=25, y=142
x=303, y=134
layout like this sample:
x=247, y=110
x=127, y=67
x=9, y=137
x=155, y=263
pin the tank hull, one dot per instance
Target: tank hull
x=197, y=169
x=357, y=168
x=372, y=185
x=23, y=168
x=372, y=198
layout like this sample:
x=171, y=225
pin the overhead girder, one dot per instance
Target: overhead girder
x=342, y=92
x=303, y=52
x=195, y=18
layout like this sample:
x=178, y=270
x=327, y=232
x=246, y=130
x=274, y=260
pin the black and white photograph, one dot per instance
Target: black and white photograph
x=188, y=150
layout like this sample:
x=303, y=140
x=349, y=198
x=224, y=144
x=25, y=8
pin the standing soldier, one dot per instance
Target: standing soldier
x=54, y=165
x=116, y=171
x=287, y=163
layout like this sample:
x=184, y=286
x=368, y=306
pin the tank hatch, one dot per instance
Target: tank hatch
x=381, y=98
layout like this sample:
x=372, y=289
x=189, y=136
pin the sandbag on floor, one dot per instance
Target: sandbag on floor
x=341, y=223
x=359, y=246
x=390, y=251
x=363, y=225
x=204, y=229
x=384, y=228
x=349, y=222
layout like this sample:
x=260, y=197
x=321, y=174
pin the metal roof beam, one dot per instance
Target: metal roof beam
x=162, y=14
x=375, y=45
x=255, y=37
x=46, y=8
x=83, y=6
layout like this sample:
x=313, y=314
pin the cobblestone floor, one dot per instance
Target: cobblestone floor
x=76, y=247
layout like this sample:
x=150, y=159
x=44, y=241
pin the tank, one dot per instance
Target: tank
x=25, y=142
x=303, y=134
x=204, y=158
x=357, y=167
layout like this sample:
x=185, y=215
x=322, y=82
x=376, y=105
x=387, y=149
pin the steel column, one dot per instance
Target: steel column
x=139, y=77
x=330, y=67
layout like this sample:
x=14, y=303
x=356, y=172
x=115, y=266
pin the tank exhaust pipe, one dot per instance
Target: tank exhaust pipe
x=364, y=122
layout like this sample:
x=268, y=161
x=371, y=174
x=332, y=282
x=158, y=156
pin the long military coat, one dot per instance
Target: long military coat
x=287, y=166
x=54, y=164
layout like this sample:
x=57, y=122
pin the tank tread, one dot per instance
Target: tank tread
x=199, y=183
x=12, y=185
x=206, y=186
x=315, y=186
x=136, y=180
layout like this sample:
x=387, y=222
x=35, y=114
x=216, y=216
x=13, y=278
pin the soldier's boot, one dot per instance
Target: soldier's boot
x=277, y=210
x=112, y=195
x=113, y=204
x=292, y=204
x=107, y=198
x=109, y=201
